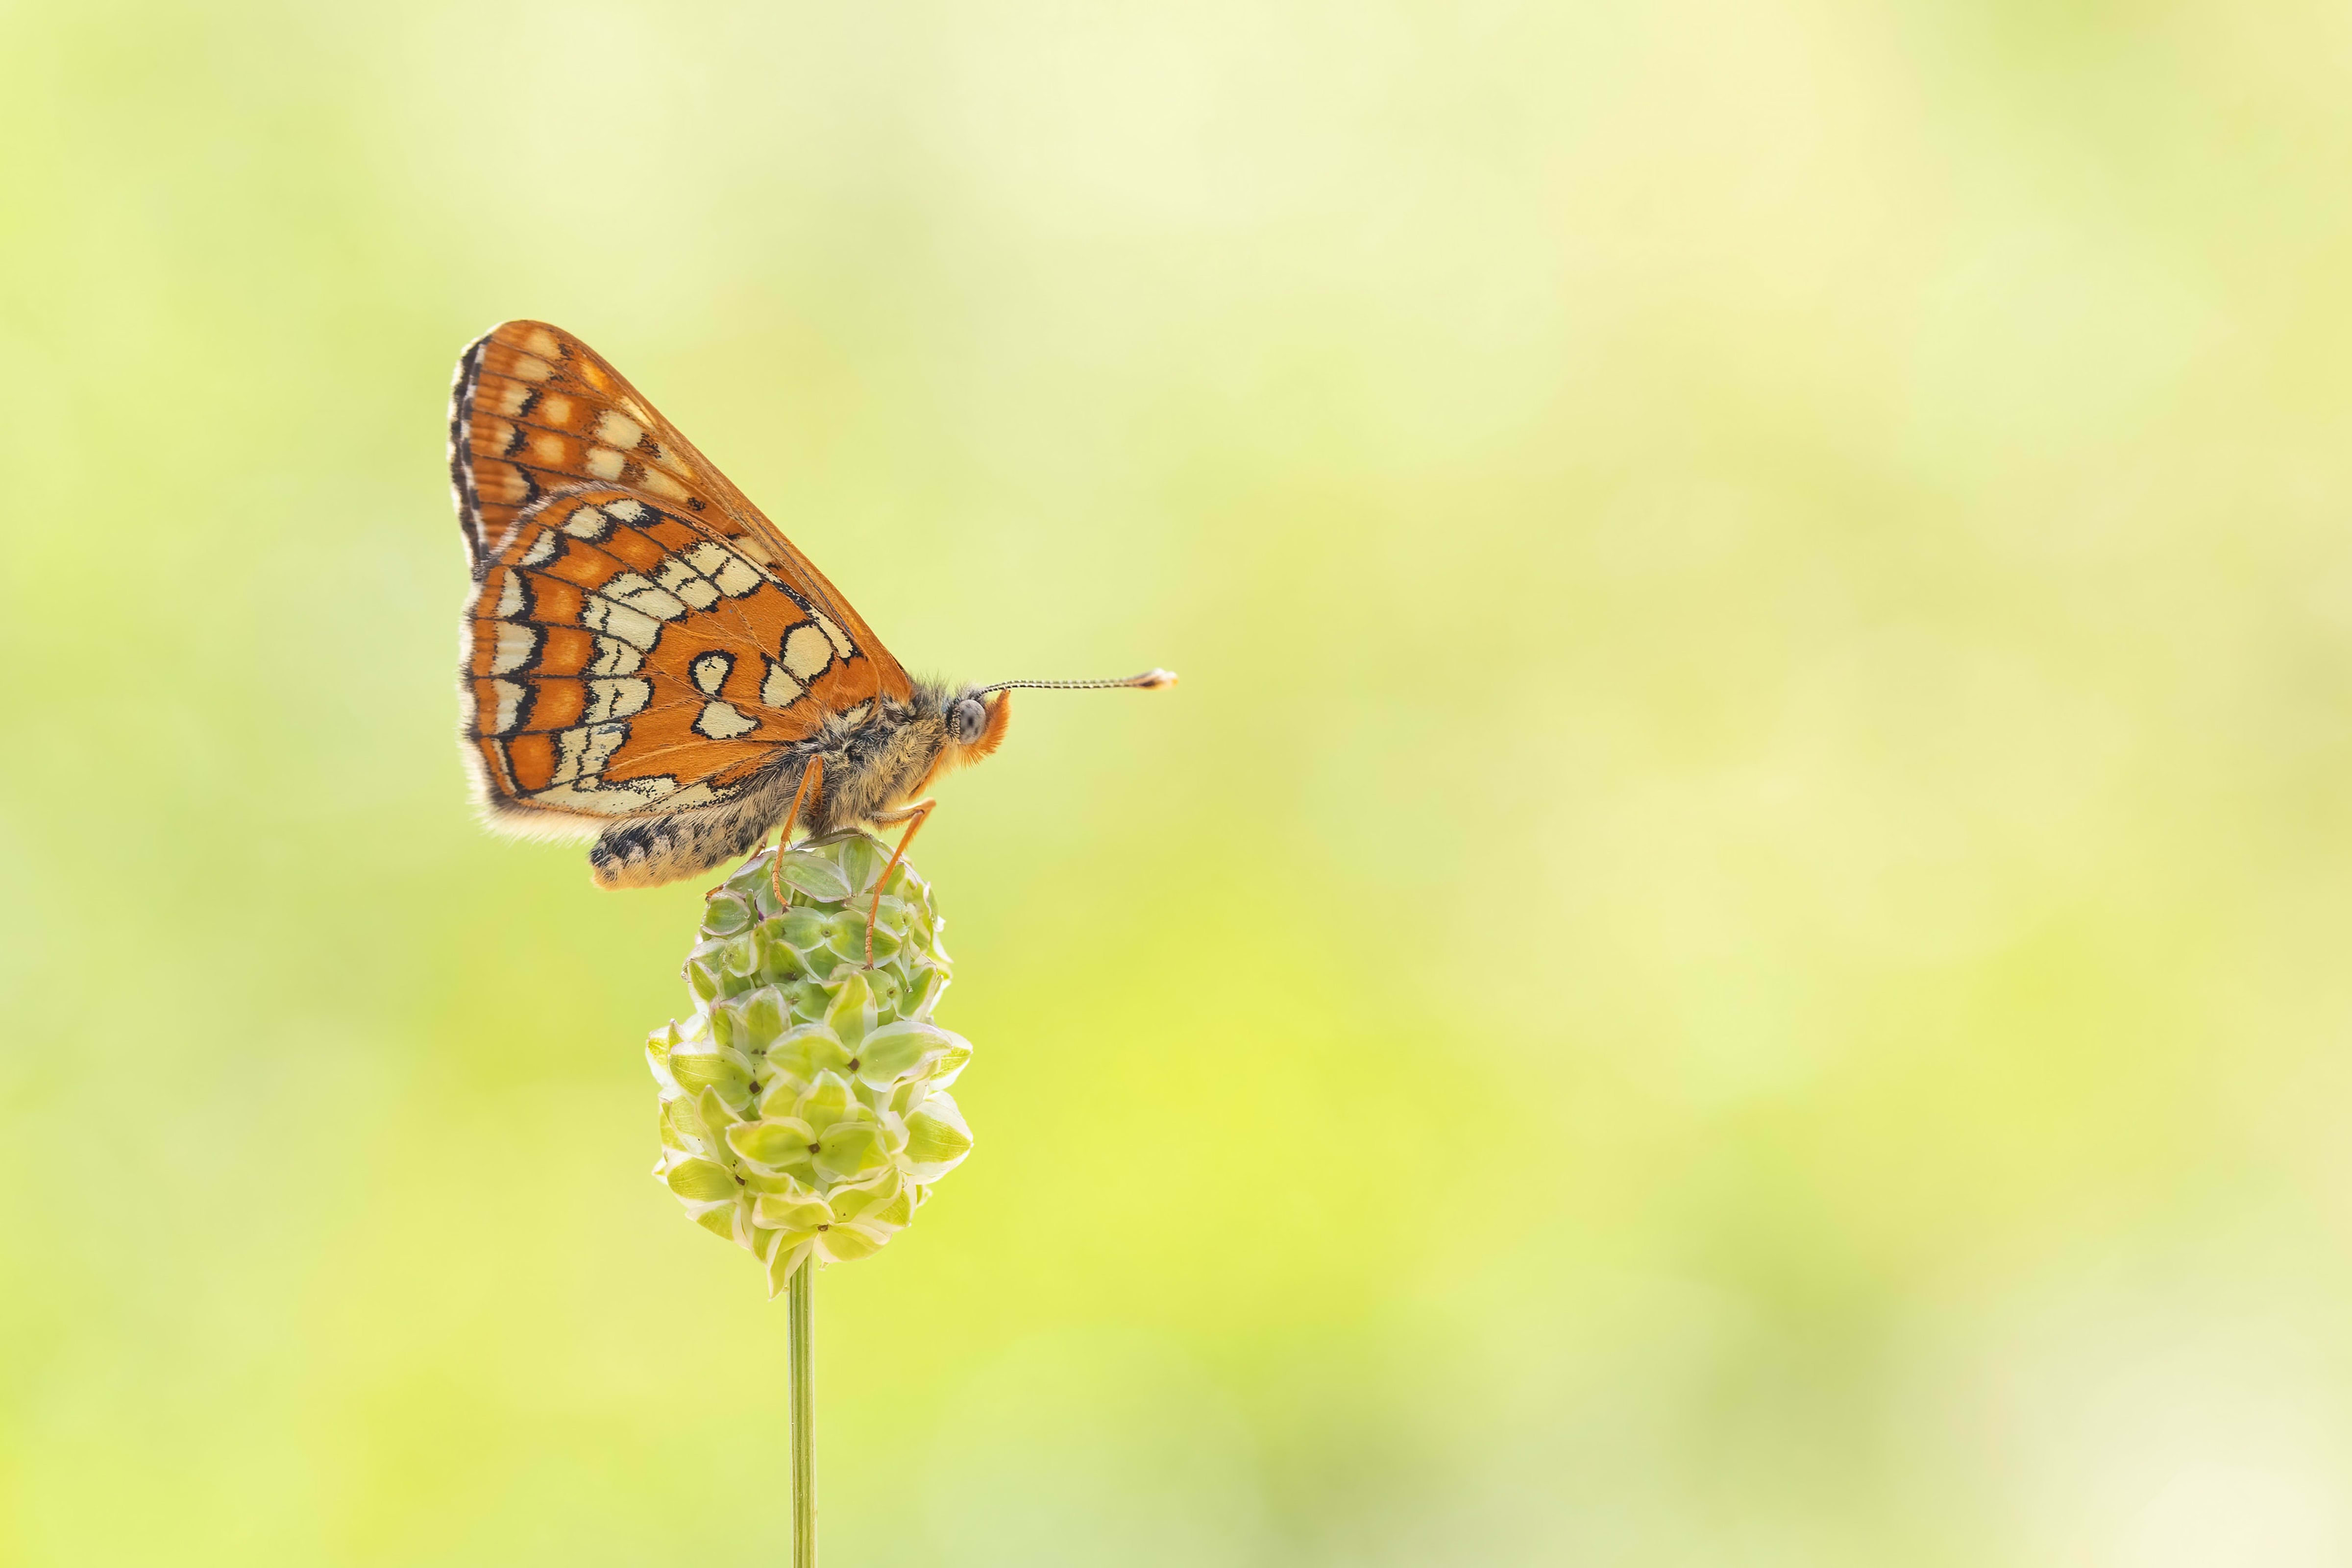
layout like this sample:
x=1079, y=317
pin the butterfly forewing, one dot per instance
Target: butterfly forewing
x=640, y=641
x=529, y=418
x=533, y=410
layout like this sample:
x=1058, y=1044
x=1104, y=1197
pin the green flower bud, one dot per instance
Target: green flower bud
x=803, y=1105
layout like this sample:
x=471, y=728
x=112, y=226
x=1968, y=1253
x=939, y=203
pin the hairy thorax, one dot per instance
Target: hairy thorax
x=871, y=767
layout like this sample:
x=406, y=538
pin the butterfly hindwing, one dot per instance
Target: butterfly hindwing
x=620, y=662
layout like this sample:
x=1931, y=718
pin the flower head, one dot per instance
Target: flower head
x=804, y=1104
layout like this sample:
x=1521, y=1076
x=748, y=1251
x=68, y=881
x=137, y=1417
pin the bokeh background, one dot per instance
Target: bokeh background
x=1732, y=953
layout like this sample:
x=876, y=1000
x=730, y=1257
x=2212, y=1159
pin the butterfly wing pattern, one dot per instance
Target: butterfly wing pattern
x=642, y=650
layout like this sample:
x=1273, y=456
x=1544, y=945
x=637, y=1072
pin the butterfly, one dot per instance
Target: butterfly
x=645, y=661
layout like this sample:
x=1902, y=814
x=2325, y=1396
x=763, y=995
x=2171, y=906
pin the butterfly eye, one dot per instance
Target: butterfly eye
x=966, y=720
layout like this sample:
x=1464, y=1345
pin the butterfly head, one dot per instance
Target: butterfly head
x=977, y=721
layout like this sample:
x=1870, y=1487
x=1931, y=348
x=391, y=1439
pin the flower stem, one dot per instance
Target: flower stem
x=797, y=1306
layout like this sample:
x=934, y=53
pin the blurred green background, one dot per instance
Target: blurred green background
x=1725, y=956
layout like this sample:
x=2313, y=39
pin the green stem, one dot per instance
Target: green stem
x=797, y=1311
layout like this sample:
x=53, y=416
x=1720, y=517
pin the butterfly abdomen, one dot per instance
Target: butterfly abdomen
x=646, y=852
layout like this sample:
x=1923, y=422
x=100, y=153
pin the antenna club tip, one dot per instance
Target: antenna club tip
x=1153, y=680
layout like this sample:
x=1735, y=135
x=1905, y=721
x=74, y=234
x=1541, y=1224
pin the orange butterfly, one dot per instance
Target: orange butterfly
x=647, y=660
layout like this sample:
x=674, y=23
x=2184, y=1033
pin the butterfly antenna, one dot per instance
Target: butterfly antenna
x=1150, y=680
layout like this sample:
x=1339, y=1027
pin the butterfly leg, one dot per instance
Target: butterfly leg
x=914, y=816
x=812, y=775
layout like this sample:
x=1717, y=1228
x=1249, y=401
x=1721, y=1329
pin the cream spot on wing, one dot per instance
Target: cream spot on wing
x=605, y=463
x=548, y=449
x=595, y=377
x=509, y=594
x=605, y=800
x=780, y=690
x=542, y=343
x=627, y=510
x=628, y=625
x=532, y=370
x=515, y=647
x=736, y=577
x=750, y=545
x=619, y=430
x=511, y=398
x=642, y=593
x=500, y=482
x=542, y=549
x=587, y=523
x=700, y=795
x=806, y=652
x=834, y=634
x=722, y=721
x=689, y=584
x=603, y=742
x=662, y=484
x=709, y=671
x=582, y=751
x=618, y=698
x=614, y=657
x=510, y=697
x=555, y=409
